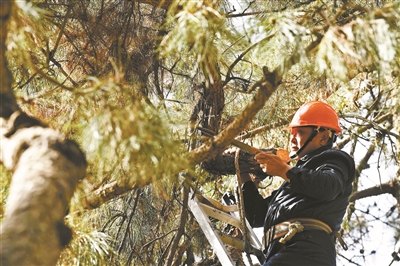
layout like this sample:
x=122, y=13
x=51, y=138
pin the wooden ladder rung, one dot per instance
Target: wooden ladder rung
x=220, y=215
x=214, y=203
x=203, y=208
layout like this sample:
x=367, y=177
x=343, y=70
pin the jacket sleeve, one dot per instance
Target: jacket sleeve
x=324, y=182
x=255, y=205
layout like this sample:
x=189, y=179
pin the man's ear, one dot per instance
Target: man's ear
x=324, y=137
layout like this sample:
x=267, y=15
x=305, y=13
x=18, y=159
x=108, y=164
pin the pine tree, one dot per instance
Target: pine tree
x=131, y=81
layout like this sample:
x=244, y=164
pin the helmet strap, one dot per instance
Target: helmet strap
x=334, y=138
x=310, y=138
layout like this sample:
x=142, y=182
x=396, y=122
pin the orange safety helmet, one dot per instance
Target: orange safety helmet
x=316, y=113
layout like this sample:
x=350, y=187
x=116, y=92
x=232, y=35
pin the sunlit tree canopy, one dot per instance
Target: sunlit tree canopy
x=131, y=82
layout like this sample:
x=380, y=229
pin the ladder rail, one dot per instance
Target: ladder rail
x=229, y=215
x=203, y=208
x=209, y=232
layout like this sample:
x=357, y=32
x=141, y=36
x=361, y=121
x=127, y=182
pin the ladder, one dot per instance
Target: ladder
x=203, y=207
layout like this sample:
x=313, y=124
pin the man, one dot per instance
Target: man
x=301, y=217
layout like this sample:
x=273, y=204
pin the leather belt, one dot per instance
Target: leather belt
x=286, y=230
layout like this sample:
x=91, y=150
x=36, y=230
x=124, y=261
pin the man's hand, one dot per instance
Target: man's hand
x=273, y=165
x=231, y=150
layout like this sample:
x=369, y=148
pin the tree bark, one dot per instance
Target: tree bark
x=46, y=168
x=8, y=103
x=392, y=187
x=225, y=164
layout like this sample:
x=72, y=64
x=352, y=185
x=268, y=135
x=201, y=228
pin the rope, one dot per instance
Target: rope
x=242, y=214
x=294, y=228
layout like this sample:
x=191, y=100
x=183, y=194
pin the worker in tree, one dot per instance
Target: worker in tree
x=301, y=218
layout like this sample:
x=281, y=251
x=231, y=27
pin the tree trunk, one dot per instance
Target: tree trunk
x=46, y=168
x=391, y=187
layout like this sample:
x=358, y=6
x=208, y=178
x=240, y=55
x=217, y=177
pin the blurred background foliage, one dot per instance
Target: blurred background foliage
x=128, y=80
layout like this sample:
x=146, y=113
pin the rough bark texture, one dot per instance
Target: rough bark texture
x=8, y=103
x=392, y=187
x=5, y=10
x=224, y=164
x=106, y=192
x=46, y=168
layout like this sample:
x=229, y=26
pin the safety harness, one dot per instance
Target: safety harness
x=285, y=231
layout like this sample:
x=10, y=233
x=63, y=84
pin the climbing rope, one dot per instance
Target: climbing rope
x=294, y=228
x=242, y=214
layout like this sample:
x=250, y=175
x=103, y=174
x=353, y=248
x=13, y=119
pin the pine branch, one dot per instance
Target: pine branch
x=363, y=128
x=181, y=229
x=261, y=129
x=107, y=192
x=392, y=187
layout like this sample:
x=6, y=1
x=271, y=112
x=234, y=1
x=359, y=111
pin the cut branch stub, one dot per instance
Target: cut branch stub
x=224, y=164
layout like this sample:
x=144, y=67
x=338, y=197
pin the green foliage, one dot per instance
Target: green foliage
x=126, y=138
x=371, y=43
x=106, y=74
x=135, y=229
x=5, y=181
x=87, y=248
x=205, y=37
x=202, y=22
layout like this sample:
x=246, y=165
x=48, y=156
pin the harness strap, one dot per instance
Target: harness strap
x=310, y=138
x=288, y=229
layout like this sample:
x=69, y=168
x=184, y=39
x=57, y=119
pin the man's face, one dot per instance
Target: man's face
x=300, y=136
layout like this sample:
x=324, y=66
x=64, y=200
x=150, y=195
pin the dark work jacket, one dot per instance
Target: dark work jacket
x=319, y=187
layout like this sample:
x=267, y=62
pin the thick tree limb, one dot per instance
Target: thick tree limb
x=5, y=80
x=261, y=129
x=392, y=187
x=46, y=168
x=225, y=164
x=107, y=192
